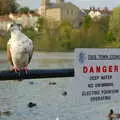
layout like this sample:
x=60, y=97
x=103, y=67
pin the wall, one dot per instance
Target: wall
x=54, y=14
x=71, y=13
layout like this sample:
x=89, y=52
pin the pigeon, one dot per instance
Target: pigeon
x=19, y=48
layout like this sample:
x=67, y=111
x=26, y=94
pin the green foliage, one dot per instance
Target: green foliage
x=41, y=23
x=114, y=44
x=62, y=36
x=114, y=24
x=24, y=10
x=7, y=6
x=110, y=36
x=3, y=43
x=87, y=22
x=104, y=23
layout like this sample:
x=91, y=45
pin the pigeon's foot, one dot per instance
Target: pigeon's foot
x=11, y=68
x=25, y=69
x=15, y=69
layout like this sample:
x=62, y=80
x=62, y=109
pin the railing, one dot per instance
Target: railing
x=34, y=74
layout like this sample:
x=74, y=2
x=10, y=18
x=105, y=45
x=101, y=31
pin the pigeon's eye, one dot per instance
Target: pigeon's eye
x=12, y=25
x=18, y=24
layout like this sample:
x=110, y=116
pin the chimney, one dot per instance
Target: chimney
x=90, y=8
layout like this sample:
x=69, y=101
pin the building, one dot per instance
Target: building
x=61, y=10
x=4, y=21
x=58, y=11
x=26, y=20
x=95, y=14
x=99, y=13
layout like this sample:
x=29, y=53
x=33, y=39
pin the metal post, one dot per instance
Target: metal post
x=34, y=74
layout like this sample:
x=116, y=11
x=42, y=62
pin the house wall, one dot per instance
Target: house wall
x=25, y=20
x=62, y=11
x=53, y=14
x=71, y=13
x=3, y=24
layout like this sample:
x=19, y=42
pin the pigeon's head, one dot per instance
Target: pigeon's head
x=14, y=26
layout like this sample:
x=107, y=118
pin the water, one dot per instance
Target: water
x=51, y=104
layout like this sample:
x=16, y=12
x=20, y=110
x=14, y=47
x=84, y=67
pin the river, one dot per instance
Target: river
x=51, y=104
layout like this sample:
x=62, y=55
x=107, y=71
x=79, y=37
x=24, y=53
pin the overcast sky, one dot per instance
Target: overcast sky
x=34, y=4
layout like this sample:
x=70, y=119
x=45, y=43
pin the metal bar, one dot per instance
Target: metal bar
x=34, y=74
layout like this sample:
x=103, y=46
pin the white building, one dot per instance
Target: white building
x=98, y=13
x=27, y=20
x=95, y=14
x=4, y=21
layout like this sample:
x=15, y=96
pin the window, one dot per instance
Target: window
x=67, y=11
x=75, y=12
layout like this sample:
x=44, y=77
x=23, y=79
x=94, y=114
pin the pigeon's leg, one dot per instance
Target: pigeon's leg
x=16, y=69
x=13, y=68
x=25, y=69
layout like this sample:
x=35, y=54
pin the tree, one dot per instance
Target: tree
x=64, y=37
x=7, y=6
x=104, y=23
x=87, y=22
x=24, y=10
x=41, y=24
x=114, y=24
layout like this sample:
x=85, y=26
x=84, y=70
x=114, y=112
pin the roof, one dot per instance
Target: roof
x=82, y=13
x=26, y=14
x=5, y=18
x=18, y=15
x=107, y=12
x=55, y=5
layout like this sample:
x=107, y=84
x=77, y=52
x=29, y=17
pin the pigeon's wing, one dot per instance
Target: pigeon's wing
x=9, y=54
x=31, y=51
x=27, y=42
x=30, y=57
